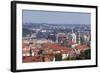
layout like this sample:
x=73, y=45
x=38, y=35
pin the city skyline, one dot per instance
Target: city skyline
x=48, y=36
x=52, y=17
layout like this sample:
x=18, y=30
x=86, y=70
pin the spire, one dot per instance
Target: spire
x=72, y=30
x=79, y=37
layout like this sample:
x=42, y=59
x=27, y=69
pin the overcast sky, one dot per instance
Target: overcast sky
x=51, y=17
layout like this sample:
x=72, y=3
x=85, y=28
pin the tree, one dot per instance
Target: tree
x=86, y=54
x=58, y=57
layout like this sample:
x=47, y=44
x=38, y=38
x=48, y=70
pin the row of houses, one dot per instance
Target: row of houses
x=50, y=51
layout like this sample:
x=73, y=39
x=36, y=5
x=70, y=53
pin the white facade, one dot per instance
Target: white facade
x=74, y=37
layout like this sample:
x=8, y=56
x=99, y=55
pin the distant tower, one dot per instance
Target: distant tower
x=40, y=27
x=30, y=48
x=73, y=36
x=72, y=30
x=78, y=37
x=56, y=38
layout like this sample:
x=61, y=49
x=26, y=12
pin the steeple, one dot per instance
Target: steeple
x=72, y=30
x=78, y=37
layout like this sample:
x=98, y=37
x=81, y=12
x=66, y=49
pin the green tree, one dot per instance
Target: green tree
x=58, y=57
x=86, y=54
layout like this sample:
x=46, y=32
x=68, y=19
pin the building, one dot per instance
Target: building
x=60, y=37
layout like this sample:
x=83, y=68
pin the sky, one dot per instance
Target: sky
x=54, y=17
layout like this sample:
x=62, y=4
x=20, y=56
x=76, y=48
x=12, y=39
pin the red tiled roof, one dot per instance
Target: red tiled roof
x=57, y=47
x=82, y=47
x=32, y=59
